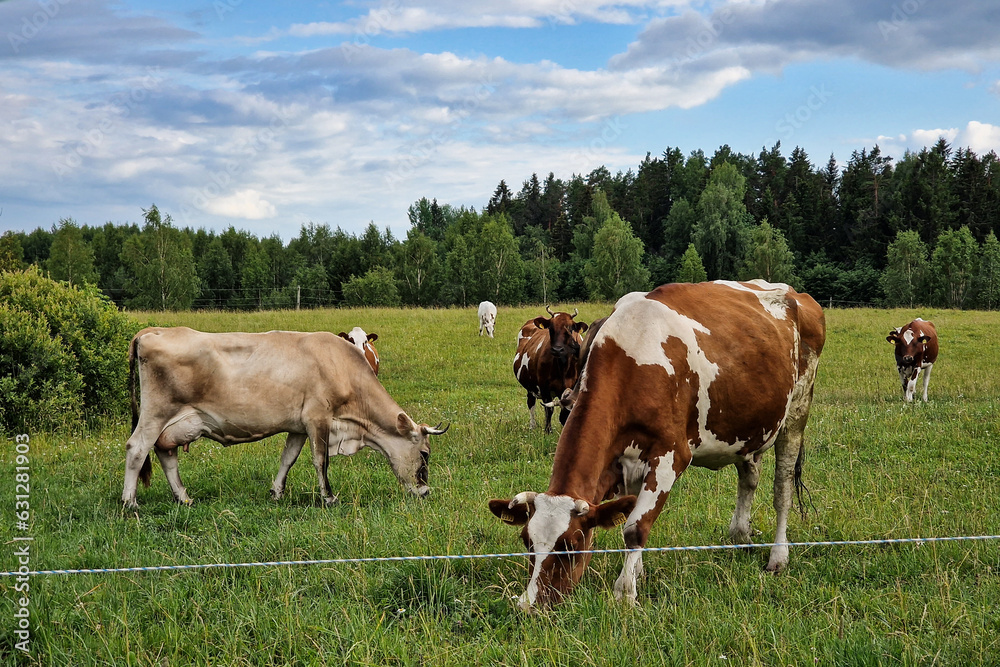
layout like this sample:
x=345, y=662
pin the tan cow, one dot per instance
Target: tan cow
x=711, y=374
x=243, y=387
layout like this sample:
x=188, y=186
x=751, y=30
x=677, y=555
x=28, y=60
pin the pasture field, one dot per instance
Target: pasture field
x=876, y=468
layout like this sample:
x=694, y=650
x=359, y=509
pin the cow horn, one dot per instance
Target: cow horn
x=576, y=311
x=549, y=311
x=523, y=498
x=581, y=507
x=437, y=430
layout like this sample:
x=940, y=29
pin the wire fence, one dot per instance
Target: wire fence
x=919, y=541
x=297, y=297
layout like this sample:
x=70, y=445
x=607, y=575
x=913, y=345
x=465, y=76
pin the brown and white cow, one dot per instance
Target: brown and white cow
x=709, y=374
x=547, y=361
x=243, y=387
x=916, y=350
x=363, y=341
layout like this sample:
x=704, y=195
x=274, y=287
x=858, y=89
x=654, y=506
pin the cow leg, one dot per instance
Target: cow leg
x=927, y=379
x=531, y=411
x=649, y=503
x=549, y=409
x=787, y=448
x=180, y=432
x=749, y=476
x=168, y=461
x=136, y=455
x=319, y=438
x=293, y=446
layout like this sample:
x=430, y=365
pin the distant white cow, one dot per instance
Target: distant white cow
x=487, y=318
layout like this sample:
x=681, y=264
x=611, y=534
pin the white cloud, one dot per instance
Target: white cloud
x=245, y=204
x=981, y=137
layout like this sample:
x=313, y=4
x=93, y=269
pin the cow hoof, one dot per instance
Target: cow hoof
x=130, y=504
x=422, y=491
x=330, y=500
x=277, y=495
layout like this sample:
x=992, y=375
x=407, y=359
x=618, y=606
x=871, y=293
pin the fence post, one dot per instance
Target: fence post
x=298, y=296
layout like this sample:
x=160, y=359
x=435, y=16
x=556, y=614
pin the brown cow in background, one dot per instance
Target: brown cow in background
x=547, y=361
x=916, y=350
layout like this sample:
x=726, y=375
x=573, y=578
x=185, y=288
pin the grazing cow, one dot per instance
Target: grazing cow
x=243, y=387
x=916, y=350
x=363, y=341
x=708, y=374
x=568, y=398
x=487, y=318
x=547, y=361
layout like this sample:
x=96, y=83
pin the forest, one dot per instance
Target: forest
x=920, y=230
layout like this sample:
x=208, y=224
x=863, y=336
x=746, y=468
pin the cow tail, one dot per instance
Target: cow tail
x=146, y=471
x=800, y=485
x=133, y=380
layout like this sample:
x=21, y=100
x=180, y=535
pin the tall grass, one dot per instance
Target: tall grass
x=876, y=468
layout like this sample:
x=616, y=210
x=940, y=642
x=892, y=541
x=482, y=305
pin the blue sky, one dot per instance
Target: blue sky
x=267, y=116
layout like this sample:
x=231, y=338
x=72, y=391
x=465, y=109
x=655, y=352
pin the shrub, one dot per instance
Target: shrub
x=375, y=288
x=63, y=352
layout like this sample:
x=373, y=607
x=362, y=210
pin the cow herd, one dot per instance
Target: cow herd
x=709, y=375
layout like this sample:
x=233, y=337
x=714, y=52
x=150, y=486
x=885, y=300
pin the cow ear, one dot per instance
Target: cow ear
x=580, y=326
x=344, y=335
x=542, y=322
x=612, y=513
x=893, y=336
x=924, y=339
x=372, y=337
x=404, y=425
x=514, y=516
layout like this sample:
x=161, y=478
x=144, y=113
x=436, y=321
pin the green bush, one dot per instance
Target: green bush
x=63, y=352
x=375, y=288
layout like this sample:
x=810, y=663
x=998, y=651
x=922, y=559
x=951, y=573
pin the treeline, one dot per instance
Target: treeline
x=920, y=231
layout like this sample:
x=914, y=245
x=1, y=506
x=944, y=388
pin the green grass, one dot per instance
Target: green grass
x=876, y=468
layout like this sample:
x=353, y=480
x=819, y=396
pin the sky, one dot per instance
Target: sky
x=267, y=116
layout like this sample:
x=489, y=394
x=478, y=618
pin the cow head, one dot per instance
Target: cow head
x=564, y=334
x=363, y=341
x=410, y=459
x=551, y=527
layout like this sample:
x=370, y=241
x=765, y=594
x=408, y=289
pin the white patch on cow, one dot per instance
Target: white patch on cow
x=908, y=336
x=771, y=295
x=524, y=364
x=547, y=524
x=640, y=326
x=665, y=478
